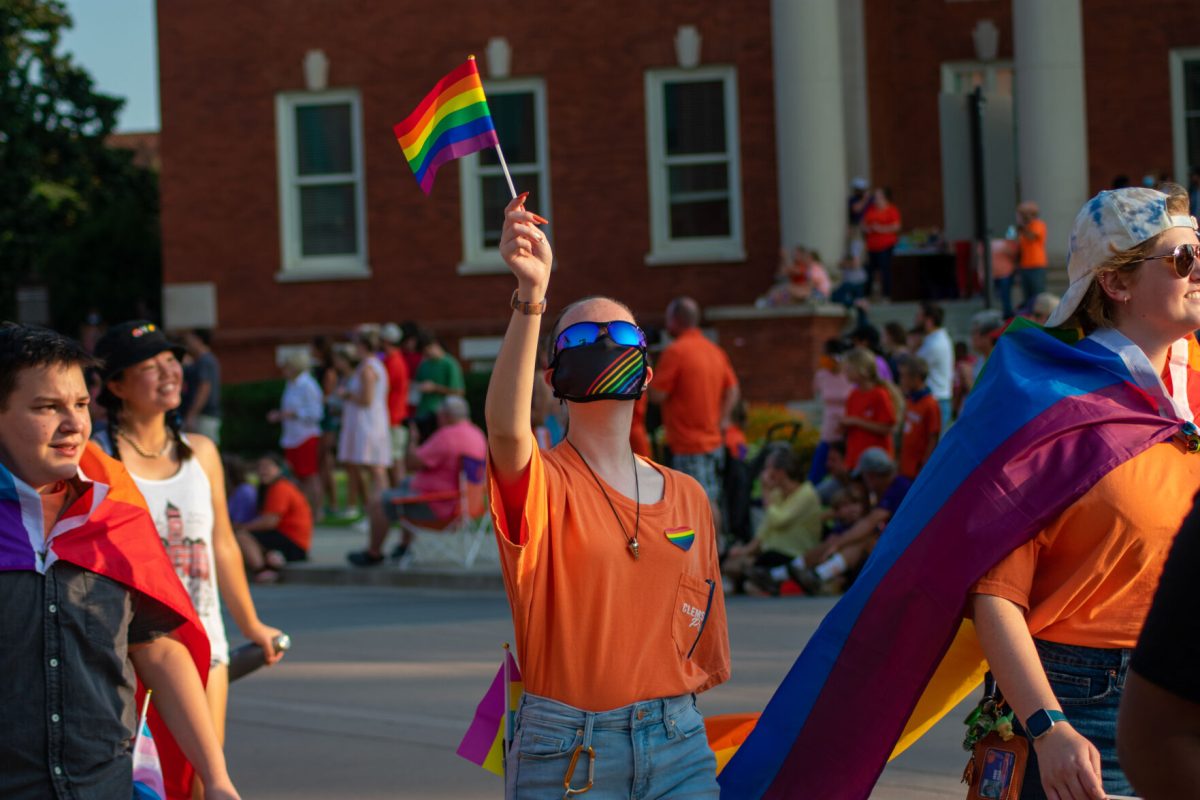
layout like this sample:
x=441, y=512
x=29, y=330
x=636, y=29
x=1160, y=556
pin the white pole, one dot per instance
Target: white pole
x=512, y=190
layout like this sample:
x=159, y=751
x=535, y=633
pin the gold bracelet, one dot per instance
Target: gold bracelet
x=526, y=307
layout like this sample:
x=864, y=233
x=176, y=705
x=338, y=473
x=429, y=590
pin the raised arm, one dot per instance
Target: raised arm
x=509, y=427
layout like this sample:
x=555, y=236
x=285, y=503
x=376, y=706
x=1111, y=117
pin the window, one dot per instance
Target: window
x=695, y=173
x=1185, y=110
x=323, y=228
x=519, y=111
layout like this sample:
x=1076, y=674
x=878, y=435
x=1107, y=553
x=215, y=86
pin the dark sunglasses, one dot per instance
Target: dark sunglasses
x=1184, y=257
x=581, y=333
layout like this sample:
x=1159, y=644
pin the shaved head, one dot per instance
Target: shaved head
x=683, y=313
x=592, y=309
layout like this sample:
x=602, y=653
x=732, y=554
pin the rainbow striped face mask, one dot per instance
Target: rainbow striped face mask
x=599, y=361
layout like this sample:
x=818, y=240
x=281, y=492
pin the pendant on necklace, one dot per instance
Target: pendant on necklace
x=633, y=548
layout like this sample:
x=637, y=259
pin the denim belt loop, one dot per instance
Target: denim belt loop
x=667, y=723
x=584, y=749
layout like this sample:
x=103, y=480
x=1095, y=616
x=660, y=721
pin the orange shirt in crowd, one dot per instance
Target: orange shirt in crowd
x=397, y=397
x=922, y=421
x=1032, y=251
x=874, y=405
x=695, y=374
x=1089, y=577
x=295, y=517
x=596, y=629
x=639, y=440
x=881, y=216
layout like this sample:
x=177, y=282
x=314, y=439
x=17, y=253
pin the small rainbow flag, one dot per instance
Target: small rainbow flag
x=451, y=122
x=483, y=743
x=681, y=537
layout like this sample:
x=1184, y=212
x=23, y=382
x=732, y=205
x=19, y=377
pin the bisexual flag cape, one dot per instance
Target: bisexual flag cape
x=107, y=530
x=1046, y=421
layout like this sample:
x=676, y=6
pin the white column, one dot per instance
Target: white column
x=1051, y=115
x=809, y=127
x=854, y=84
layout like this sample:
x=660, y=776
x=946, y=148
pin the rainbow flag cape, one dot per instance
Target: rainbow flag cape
x=452, y=121
x=147, y=769
x=483, y=743
x=106, y=530
x=881, y=668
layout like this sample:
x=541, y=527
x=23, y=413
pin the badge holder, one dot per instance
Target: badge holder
x=998, y=756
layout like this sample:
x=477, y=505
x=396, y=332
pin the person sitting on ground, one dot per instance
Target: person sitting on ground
x=837, y=475
x=434, y=468
x=922, y=417
x=847, y=507
x=831, y=566
x=791, y=526
x=241, y=493
x=1043, y=307
x=282, y=531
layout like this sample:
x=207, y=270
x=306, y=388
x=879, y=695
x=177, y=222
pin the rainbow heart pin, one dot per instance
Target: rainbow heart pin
x=681, y=537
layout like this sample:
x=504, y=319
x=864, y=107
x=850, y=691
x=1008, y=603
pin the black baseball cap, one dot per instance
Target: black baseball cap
x=131, y=343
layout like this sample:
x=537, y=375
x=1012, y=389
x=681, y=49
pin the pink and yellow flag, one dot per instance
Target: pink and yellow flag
x=483, y=743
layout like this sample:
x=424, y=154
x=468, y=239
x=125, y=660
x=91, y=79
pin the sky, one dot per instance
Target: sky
x=114, y=40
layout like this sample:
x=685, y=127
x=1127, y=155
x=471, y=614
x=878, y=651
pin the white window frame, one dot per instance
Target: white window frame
x=664, y=249
x=1179, y=115
x=294, y=266
x=478, y=259
x=989, y=69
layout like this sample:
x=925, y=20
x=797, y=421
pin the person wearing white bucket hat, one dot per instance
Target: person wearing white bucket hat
x=1057, y=618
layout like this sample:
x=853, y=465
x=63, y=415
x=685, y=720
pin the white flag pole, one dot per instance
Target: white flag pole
x=512, y=189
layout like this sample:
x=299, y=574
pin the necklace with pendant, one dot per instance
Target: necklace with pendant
x=630, y=541
x=166, y=446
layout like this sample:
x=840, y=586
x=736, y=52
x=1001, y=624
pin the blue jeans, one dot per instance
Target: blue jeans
x=1033, y=283
x=816, y=472
x=1088, y=682
x=1003, y=291
x=653, y=749
x=879, y=263
x=706, y=468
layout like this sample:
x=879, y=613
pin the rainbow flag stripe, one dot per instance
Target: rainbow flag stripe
x=1042, y=407
x=621, y=376
x=681, y=537
x=452, y=121
x=483, y=743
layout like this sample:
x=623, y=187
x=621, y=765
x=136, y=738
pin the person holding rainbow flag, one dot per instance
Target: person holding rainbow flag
x=91, y=604
x=609, y=560
x=1046, y=514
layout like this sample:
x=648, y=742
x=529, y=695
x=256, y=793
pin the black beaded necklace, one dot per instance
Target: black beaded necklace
x=630, y=542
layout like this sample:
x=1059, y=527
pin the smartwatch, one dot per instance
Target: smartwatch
x=1041, y=721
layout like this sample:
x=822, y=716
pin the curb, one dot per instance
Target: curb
x=390, y=577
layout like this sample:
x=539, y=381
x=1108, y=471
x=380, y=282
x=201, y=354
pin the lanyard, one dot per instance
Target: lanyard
x=1174, y=405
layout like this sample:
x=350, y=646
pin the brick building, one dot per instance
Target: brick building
x=674, y=147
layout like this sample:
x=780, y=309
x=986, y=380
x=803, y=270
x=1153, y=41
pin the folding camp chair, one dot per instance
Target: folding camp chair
x=463, y=537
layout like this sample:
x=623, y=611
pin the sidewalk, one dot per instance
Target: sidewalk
x=327, y=565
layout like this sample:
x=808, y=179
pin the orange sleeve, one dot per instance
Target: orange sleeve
x=519, y=508
x=275, y=501
x=1012, y=578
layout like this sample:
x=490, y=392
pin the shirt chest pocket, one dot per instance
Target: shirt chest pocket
x=693, y=602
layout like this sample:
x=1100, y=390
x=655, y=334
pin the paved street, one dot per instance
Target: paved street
x=381, y=683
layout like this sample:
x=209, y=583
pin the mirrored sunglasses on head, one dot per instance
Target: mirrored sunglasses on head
x=621, y=332
x=1183, y=258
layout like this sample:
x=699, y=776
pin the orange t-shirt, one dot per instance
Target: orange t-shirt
x=874, y=405
x=922, y=419
x=594, y=628
x=295, y=517
x=1033, y=251
x=1089, y=577
x=881, y=216
x=53, y=503
x=695, y=374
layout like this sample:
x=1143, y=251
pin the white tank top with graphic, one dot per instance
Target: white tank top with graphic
x=183, y=513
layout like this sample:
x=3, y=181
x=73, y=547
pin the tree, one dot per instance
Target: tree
x=75, y=215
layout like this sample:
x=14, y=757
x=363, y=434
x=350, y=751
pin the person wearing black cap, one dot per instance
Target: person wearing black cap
x=181, y=477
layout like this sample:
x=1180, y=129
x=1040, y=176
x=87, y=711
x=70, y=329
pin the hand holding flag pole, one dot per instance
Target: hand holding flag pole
x=451, y=122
